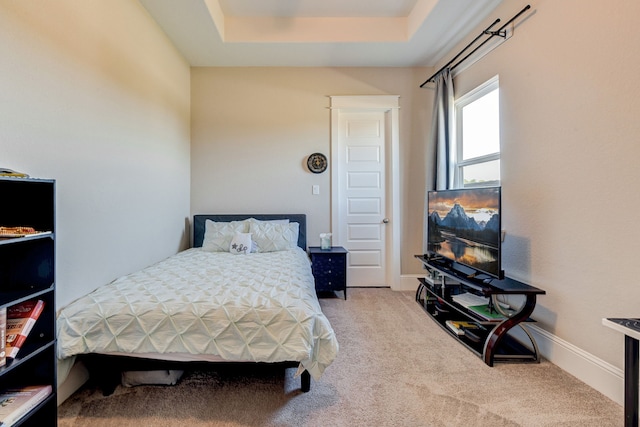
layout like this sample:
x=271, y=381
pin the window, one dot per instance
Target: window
x=477, y=154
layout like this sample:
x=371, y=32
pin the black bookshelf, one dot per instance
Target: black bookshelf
x=27, y=272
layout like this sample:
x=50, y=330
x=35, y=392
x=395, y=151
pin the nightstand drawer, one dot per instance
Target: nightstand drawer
x=330, y=282
x=328, y=265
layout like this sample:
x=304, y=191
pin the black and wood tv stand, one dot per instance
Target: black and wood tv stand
x=440, y=295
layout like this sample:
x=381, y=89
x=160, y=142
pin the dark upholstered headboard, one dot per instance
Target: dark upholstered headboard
x=199, y=221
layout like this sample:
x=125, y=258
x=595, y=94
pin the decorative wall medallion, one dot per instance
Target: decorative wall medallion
x=317, y=162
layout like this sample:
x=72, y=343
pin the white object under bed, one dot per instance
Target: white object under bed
x=200, y=305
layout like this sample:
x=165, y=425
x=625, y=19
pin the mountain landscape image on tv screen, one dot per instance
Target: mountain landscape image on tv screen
x=464, y=226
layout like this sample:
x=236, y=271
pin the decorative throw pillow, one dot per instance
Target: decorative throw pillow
x=240, y=243
x=218, y=235
x=272, y=237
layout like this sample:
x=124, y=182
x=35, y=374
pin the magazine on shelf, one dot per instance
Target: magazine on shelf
x=486, y=311
x=20, y=320
x=3, y=336
x=481, y=305
x=15, y=403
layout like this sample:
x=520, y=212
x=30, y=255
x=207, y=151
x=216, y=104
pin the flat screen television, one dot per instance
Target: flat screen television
x=464, y=226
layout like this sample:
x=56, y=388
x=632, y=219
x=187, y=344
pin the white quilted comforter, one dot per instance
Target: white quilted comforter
x=258, y=307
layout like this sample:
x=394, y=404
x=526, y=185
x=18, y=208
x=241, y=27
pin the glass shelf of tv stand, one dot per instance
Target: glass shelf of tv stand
x=493, y=342
x=489, y=286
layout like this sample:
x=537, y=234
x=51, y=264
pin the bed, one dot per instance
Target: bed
x=243, y=293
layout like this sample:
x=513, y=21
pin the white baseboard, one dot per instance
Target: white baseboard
x=408, y=282
x=593, y=371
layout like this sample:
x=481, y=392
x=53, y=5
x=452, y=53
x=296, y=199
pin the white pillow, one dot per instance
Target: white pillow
x=272, y=237
x=218, y=235
x=240, y=244
x=254, y=245
x=272, y=221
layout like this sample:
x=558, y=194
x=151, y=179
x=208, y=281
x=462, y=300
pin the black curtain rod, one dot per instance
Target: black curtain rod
x=430, y=79
x=488, y=32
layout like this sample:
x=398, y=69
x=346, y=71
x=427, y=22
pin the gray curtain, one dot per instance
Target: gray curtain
x=439, y=159
x=440, y=139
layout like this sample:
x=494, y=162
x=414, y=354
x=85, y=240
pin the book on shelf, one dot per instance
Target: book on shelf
x=454, y=328
x=3, y=336
x=19, y=231
x=15, y=403
x=20, y=320
x=12, y=173
x=460, y=326
x=466, y=324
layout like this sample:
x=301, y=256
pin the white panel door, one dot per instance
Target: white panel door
x=361, y=198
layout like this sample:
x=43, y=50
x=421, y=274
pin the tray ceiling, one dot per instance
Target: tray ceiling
x=340, y=33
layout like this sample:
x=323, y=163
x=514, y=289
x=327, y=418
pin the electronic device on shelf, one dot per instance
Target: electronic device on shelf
x=464, y=228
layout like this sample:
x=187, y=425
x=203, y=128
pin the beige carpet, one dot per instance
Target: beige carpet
x=396, y=367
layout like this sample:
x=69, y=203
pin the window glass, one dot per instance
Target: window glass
x=477, y=153
x=481, y=174
x=481, y=129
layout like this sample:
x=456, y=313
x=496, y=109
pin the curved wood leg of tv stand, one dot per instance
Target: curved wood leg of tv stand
x=496, y=336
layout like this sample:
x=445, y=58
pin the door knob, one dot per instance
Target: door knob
x=385, y=221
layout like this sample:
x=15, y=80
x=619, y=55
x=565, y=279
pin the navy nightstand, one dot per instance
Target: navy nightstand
x=329, y=268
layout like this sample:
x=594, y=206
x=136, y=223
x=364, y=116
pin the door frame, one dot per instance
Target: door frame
x=389, y=104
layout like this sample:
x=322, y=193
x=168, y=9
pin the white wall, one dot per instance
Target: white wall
x=253, y=128
x=95, y=96
x=569, y=99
